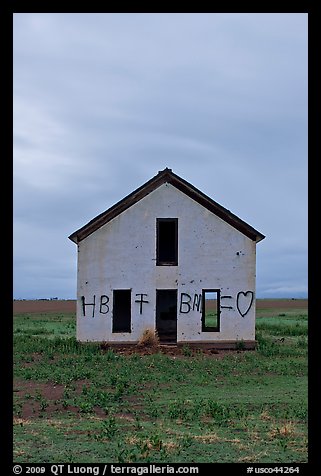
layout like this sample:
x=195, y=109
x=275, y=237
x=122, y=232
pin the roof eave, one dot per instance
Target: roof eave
x=120, y=206
x=166, y=176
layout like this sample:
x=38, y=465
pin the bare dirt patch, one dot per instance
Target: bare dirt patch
x=282, y=304
x=47, y=390
x=45, y=399
x=172, y=350
x=39, y=306
x=34, y=394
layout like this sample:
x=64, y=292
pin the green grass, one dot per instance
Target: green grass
x=77, y=403
x=211, y=319
x=51, y=325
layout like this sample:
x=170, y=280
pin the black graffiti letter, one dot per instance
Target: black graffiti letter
x=197, y=302
x=185, y=303
x=104, y=304
x=84, y=304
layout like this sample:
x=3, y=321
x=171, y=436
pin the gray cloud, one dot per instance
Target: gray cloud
x=104, y=101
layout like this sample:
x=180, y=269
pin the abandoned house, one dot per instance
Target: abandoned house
x=167, y=258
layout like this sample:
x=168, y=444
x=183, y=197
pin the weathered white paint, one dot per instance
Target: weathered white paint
x=122, y=255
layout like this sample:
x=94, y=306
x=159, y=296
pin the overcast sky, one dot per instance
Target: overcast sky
x=102, y=102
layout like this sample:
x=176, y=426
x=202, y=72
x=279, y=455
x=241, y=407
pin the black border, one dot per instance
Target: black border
x=7, y=10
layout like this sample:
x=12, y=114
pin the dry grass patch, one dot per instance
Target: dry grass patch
x=265, y=416
x=19, y=453
x=170, y=446
x=255, y=436
x=288, y=429
x=21, y=421
x=253, y=458
x=211, y=438
x=132, y=440
x=151, y=444
x=149, y=338
x=246, y=459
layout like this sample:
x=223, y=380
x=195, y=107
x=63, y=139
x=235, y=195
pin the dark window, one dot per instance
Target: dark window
x=122, y=310
x=167, y=242
x=166, y=314
x=210, y=310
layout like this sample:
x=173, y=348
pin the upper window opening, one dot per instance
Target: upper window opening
x=167, y=242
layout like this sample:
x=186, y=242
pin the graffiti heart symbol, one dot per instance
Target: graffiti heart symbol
x=244, y=302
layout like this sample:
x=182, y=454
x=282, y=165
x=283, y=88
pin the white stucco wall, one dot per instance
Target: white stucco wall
x=122, y=255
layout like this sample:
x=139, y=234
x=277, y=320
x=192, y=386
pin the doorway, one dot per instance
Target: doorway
x=166, y=315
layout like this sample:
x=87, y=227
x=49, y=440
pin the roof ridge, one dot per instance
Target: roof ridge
x=166, y=176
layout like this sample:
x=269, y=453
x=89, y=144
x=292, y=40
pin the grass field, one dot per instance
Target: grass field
x=87, y=403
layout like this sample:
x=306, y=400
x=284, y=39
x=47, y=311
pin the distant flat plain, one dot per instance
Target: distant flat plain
x=39, y=306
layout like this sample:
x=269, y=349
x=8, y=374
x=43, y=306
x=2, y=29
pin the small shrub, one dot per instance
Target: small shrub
x=240, y=345
x=17, y=409
x=177, y=409
x=302, y=342
x=156, y=442
x=110, y=355
x=109, y=428
x=138, y=425
x=154, y=411
x=217, y=411
x=64, y=403
x=38, y=395
x=43, y=404
x=187, y=351
x=266, y=347
x=125, y=455
x=197, y=410
x=27, y=374
x=84, y=390
x=120, y=390
x=85, y=407
x=66, y=393
x=187, y=441
x=149, y=338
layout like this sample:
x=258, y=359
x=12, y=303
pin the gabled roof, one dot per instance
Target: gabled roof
x=166, y=176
